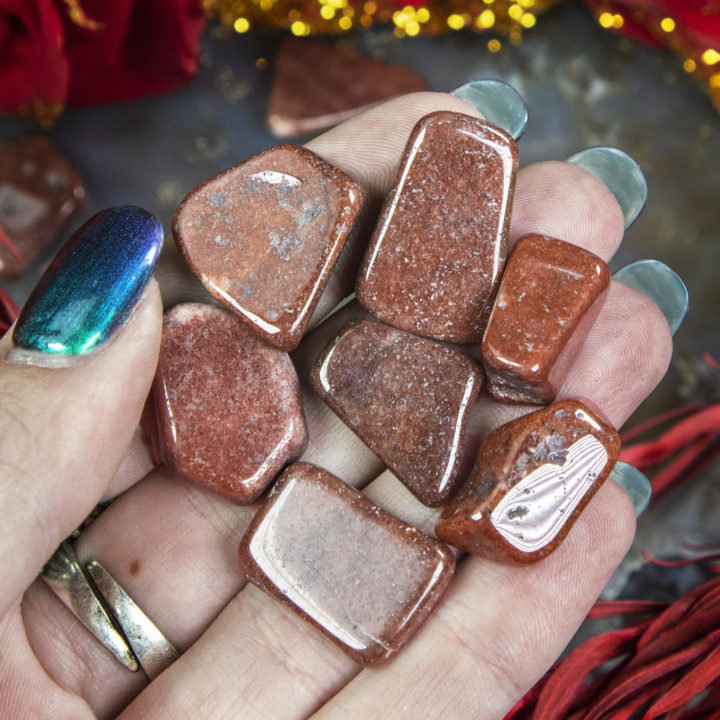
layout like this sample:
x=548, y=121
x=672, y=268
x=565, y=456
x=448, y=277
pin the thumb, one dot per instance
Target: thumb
x=73, y=380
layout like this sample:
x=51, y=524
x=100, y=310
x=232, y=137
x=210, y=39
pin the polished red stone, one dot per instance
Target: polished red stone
x=407, y=398
x=532, y=479
x=549, y=297
x=39, y=191
x=318, y=85
x=435, y=258
x=228, y=414
x=361, y=576
x=263, y=237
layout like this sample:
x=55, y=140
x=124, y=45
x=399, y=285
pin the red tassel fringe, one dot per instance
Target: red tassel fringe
x=666, y=664
x=682, y=451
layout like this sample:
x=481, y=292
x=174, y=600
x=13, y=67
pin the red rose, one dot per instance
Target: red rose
x=90, y=51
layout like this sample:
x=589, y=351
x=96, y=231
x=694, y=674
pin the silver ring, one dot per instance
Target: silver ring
x=108, y=612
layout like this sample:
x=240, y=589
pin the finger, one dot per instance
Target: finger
x=52, y=479
x=603, y=537
x=499, y=628
x=624, y=357
x=329, y=438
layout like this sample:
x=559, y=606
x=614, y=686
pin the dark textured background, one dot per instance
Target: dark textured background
x=583, y=86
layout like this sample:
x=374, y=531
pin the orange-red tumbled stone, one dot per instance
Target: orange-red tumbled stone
x=549, y=297
x=435, y=258
x=264, y=235
x=408, y=398
x=364, y=578
x=532, y=479
x=227, y=408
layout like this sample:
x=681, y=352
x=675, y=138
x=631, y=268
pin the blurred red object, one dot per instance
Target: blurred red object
x=8, y=312
x=665, y=664
x=54, y=52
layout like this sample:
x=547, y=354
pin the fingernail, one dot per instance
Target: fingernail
x=634, y=483
x=620, y=173
x=89, y=290
x=499, y=103
x=661, y=284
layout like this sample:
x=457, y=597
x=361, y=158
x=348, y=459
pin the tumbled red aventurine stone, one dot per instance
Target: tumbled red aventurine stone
x=532, y=478
x=407, y=398
x=364, y=578
x=264, y=235
x=39, y=191
x=318, y=84
x=439, y=246
x=549, y=297
x=227, y=406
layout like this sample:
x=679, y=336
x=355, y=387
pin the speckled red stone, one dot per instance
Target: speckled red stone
x=549, y=297
x=361, y=576
x=408, y=398
x=39, y=191
x=435, y=258
x=532, y=479
x=318, y=84
x=263, y=237
x=228, y=414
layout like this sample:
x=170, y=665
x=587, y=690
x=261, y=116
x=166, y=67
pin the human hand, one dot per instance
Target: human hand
x=65, y=433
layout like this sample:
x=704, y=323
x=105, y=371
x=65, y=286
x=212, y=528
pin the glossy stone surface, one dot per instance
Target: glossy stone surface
x=318, y=84
x=407, y=398
x=439, y=246
x=361, y=576
x=263, y=237
x=228, y=414
x=532, y=479
x=549, y=297
x=39, y=191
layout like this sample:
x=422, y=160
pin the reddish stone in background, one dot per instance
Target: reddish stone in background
x=39, y=191
x=549, y=297
x=532, y=479
x=263, y=237
x=228, y=414
x=407, y=398
x=318, y=85
x=439, y=246
x=361, y=576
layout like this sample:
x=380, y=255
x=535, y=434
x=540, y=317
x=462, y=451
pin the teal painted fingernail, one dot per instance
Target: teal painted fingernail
x=499, y=103
x=89, y=290
x=634, y=483
x=661, y=284
x=620, y=173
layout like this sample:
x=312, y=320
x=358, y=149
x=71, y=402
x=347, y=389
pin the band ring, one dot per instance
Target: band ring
x=108, y=612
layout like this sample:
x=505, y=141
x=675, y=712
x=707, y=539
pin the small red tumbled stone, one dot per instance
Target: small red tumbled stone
x=364, y=578
x=549, y=297
x=39, y=191
x=435, y=258
x=407, y=397
x=532, y=479
x=318, y=85
x=228, y=413
x=264, y=235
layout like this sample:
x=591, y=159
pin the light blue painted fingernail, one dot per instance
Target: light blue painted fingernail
x=499, y=103
x=620, y=173
x=634, y=483
x=661, y=284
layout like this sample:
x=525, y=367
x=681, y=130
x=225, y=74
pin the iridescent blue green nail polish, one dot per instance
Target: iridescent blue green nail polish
x=90, y=289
